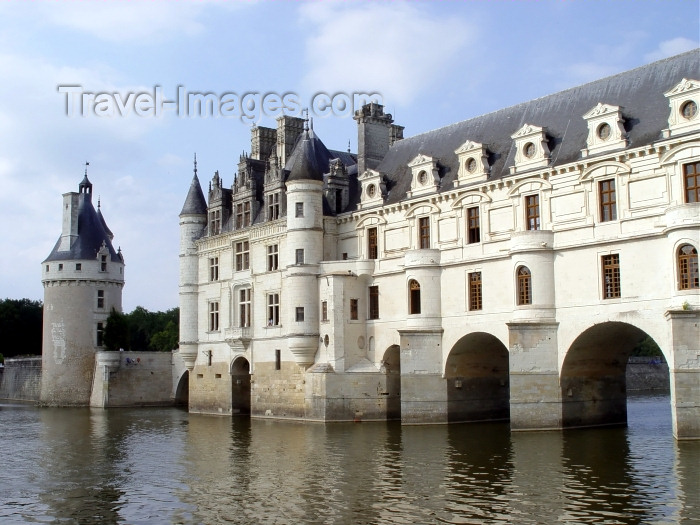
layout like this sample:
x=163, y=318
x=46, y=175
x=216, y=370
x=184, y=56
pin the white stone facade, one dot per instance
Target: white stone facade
x=499, y=280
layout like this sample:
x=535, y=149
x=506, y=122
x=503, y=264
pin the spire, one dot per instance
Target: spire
x=85, y=185
x=194, y=202
x=195, y=163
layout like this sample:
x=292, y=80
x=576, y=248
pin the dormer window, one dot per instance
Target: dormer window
x=473, y=163
x=531, y=148
x=683, y=100
x=425, y=175
x=606, y=130
x=373, y=189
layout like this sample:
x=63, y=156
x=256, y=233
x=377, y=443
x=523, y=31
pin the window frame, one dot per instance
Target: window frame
x=524, y=280
x=473, y=225
x=213, y=312
x=424, y=233
x=299, y=314
x=324, y=311
x=373, y=302
x=691, y=182
x=213, y=269
x=610, y=276
x=687, y=264
x=414, y=298
x=273, y=261
x=607, y=200
x=354, y=309
x=532, y=212
x=299, y=256
x=372, y=243
x=475, y=291
x=298, y=209
x=215, y=222
x=273, y=206
x=242, y=249
x=245, y=310
x=100, y=299
x=273, y=309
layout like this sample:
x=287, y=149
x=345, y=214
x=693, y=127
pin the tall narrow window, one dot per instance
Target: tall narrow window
x=242, y=256
x=374, y=302
x=272, y=257
x=532, y=211
x=371, y=243
x=611, y=276
x=300, y=314
x=338, y=201
x=299, y=255
x=100, y=299
x=213, y=268
x=354, y=309
x=273, y=206
x=524, y=286
x=273, y=309
x=688, y=268
x=246, y=214
x=103, y=263
x=299, y=209
x=414, y=297
x=213, y=316
x=475, y=291
x=606, y=194
x=691, y=182
x=215, y=222
x=424, y=233
x=278, y=359
x=244, y=311
x=100, y=334
x=473, y=227
x=324, y=310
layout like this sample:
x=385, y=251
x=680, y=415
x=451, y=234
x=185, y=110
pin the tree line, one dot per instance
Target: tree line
x=21, y=329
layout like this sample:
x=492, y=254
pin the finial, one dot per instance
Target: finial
x=305, y=111
x=195, y=164
x=98, y=202
x=86, y=165
x=348, y=145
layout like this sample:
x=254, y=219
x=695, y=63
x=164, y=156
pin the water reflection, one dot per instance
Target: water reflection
x=166, y=466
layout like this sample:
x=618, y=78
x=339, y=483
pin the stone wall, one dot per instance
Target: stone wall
x=21, y=379
x=647, y=373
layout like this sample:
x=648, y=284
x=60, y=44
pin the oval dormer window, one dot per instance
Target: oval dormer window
x=689, y=109
x=604, y=131
x=471, y=165
x=371, y=190
x=529, y=150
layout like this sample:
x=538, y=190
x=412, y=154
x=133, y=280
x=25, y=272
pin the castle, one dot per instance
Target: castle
x=502, y=267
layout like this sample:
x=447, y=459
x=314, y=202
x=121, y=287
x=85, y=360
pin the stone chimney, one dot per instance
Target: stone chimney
x=375, y=134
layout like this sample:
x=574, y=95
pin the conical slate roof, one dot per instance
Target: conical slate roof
x=103, y=222
x=195, y=204
x=92, y=232
x=309, y=159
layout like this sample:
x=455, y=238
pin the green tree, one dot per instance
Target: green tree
x=165, y=340
x=647, y=347
x=116, y=335
x=20, y=327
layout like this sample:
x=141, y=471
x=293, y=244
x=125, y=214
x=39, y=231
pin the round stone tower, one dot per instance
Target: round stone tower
x=193, y=221
x=83, y=277
x=304, y=245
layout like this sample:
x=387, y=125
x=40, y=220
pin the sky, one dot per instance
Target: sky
x=99, y=82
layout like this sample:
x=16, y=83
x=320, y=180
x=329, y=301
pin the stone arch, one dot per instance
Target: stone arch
x=476, y=373
x=592, y=377
x=240, y=386
x=391, y=366
x=182, y=391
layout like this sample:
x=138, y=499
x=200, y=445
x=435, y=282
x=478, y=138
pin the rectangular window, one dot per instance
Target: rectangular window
x=100, y=298
x=300, y=314
x=371, y=243
x=60, y=267
x=272, y=258
x=242, y=215
x=299, y=209
x=213, y=316
x=611, y=276
x=100, y=334
x=244, y=313
x=424, y=233
x=606, y=194
x=273, y=206
x=273, y=309
x=278, y=359
x=532, y=211
x=300, y=256
x=374, y=302
x=246, y=214
x=103, y=263
x=324, y=310
x=475, y=291
x=242, y=256
x=78, y=267
x=691, y=182
x=213, y=268
x=354, y=309
x=215, y=222
x=473, y=231
x=338, y=201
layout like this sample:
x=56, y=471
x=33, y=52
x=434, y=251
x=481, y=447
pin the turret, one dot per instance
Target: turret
x=193, y=224
x=83, y=277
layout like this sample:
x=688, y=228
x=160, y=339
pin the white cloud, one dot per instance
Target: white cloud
x=398, y=49
x=669, y=48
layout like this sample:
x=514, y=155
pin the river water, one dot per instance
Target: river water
x=168, y=466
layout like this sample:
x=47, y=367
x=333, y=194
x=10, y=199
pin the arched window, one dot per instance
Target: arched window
x=414, y=297
x=524, y=285
x=688, y=277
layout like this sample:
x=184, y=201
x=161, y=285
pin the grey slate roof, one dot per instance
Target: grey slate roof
x=103, y=222
x=91, y=234
x=639, y=92
x=195, y=204
x=309, y=159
